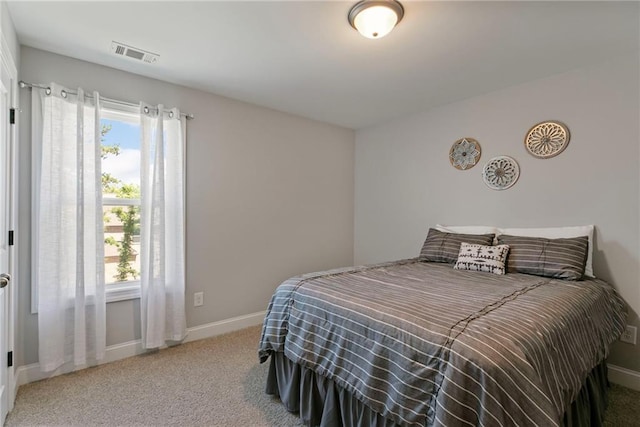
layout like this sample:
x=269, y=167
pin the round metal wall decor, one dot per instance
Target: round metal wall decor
x=464, y=153
x=547, y=139
x=500, y=172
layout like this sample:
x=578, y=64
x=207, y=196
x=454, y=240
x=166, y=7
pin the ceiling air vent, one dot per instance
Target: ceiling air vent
x=133, y=52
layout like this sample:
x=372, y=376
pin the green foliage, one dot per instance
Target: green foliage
x=107, y=149
x=126, y=191
x=109, y=183
x=110, y=149
x=129, y=216
x=103, y=131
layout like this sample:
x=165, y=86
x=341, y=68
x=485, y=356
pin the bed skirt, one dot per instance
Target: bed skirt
x=321, y=402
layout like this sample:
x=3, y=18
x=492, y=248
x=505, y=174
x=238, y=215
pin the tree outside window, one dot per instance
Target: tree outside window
x=121, y=201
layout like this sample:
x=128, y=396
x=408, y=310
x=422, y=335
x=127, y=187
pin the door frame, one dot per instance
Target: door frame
x=8, y=65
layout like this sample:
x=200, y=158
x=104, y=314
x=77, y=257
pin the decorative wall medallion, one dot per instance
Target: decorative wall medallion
x=464, y=153
x=547, y=139
x=500, y=172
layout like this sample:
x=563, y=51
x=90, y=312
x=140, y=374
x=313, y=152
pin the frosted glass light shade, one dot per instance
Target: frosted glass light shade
x=375, y=18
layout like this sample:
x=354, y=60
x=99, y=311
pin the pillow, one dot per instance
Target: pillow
x=467, y=229
x=490, y=259
x=558, y=232
x=444, y=247
x=557, y=258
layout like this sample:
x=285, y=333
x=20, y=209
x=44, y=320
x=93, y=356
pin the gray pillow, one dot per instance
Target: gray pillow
x=445, y=247
x=557, y=258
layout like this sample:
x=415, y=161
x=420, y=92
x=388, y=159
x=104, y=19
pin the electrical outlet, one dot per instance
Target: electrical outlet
x=629, y=335
x=198, y=299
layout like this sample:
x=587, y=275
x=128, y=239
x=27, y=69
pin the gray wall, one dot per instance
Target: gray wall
x=269, y=195
x=405, y=183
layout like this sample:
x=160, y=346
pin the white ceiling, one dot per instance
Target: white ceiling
x=302, y=57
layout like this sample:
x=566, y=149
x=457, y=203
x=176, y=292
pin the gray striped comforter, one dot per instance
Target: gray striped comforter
x=424, y=344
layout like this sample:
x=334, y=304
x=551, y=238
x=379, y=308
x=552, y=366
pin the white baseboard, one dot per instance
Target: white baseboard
x=624, y=377
x=30, y=373
x=224, y=326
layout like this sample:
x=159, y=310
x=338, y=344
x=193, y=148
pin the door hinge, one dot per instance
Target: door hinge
x=10, y=237
x=10, y=359
x=12, y=116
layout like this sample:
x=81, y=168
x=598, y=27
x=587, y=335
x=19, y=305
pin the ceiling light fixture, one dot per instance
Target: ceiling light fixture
x=375, y=18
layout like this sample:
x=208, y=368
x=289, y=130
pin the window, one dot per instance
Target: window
x=121, y=203
x=70, y=151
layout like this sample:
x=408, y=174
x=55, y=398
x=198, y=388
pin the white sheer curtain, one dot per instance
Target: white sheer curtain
x=69, y=251
x=162, y=226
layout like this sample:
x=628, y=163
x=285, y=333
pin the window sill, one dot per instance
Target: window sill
x=123, y=291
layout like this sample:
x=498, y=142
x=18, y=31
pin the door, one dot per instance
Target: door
x=6, y=200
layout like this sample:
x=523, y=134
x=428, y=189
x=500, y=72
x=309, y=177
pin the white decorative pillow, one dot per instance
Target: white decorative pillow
x=490, y=259
x=557, y=233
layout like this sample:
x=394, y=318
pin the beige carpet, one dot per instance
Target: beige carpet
x=217, y=381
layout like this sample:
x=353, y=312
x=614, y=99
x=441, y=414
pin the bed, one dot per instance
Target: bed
x=415, y=342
